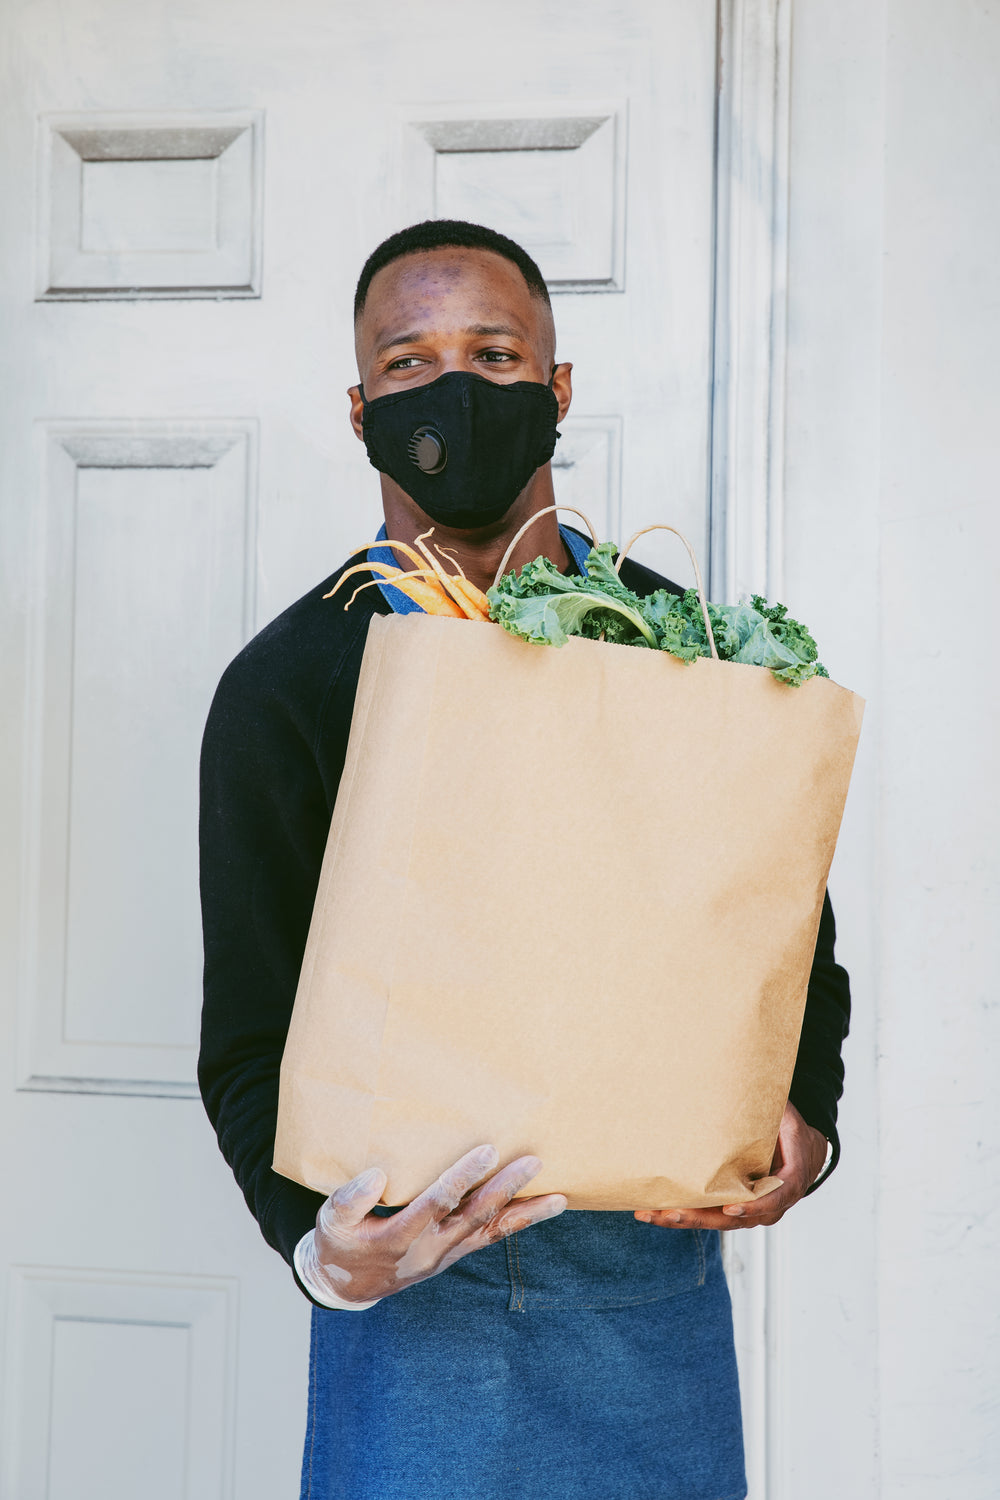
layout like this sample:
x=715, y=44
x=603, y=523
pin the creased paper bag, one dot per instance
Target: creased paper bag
x=568, y=906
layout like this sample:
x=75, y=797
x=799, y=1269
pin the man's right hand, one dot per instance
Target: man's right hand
x=358, y=1256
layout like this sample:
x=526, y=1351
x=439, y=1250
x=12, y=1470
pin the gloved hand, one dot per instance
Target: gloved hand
x=355, y=1257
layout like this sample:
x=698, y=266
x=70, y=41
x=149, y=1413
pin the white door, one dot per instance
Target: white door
x=189, y=192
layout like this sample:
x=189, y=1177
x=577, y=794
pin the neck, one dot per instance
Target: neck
x=480, y=552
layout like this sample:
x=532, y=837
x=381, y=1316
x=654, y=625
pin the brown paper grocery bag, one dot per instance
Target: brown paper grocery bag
x=568, y=906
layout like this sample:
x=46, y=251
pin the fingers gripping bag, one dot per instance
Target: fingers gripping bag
x=568, y=905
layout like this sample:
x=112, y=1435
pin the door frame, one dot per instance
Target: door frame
x=745, y=509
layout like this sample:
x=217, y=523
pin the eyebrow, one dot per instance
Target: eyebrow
x=478, y=330
x=485, y=330
x=413, y=337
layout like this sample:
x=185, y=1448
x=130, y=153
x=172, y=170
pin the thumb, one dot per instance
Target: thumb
x=348, y=1205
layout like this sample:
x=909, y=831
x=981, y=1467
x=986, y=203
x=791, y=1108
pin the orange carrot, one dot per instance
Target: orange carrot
x=403, y=547
x=421, y=585
x=423, y=588
x=365, y=567
x=429, y=595
x=474, y=595
x=457, y=586
x=428, y=584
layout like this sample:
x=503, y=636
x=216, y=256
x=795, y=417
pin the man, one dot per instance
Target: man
x=467, y=1344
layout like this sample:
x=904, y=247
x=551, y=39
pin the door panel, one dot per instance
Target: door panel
x=176, y=466
x=143, y=591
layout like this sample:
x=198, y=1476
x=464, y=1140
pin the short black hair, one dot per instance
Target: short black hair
x=439, y=234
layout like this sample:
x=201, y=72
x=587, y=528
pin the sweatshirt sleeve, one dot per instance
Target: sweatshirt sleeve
x=264, y=819
x=818, y=1079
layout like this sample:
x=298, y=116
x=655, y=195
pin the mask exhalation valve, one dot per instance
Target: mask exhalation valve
x=427, y=449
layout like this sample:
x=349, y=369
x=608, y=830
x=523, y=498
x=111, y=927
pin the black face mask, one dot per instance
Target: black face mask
x=462, y=447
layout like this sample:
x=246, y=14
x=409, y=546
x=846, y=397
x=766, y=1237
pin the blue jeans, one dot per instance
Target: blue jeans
x=590, y=1357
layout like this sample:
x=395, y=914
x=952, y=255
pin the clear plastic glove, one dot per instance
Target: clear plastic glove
x=356, y=1257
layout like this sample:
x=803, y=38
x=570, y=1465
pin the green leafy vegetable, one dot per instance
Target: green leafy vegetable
x=542, y=605
x=547, y=607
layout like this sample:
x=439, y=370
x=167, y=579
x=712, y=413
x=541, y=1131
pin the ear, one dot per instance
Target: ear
x=357, y=411
x=562, y=386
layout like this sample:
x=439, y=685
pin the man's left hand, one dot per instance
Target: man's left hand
x=798, y=1160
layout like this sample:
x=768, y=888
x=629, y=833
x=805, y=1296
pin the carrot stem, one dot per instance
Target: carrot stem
x=422, y=587
x=365, y=567
x=403, y=547
x=449, y=554
x=453, y=585
x=434, y=589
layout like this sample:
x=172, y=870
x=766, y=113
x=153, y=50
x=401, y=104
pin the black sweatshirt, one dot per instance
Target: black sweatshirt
x=272, y=758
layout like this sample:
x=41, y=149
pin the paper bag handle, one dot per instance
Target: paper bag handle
x=530, y=522
x=661, y=526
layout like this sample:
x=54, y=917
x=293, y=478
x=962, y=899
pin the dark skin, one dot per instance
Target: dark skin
x=454, y=309
x=427, y=314
x=799, y=1157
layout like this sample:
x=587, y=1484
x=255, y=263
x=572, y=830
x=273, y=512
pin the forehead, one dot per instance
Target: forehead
x=441, y=288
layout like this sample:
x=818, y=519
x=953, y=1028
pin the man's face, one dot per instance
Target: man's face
x=453, y=309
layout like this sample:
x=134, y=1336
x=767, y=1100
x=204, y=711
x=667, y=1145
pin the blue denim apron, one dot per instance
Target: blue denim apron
x=587, y=1358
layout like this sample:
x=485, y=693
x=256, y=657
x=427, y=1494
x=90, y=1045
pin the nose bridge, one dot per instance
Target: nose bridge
x=457, y=358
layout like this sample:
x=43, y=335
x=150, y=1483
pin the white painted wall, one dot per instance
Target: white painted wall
x=938, y=1031
x=886, y=1318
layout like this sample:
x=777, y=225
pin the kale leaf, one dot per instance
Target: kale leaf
x=544, y=606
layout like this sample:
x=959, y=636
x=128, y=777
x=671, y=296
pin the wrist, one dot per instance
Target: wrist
x=821, y=1152
x=310, y=1273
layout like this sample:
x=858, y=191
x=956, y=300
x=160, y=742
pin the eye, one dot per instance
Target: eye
x=404, y=362
x=496, y=356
